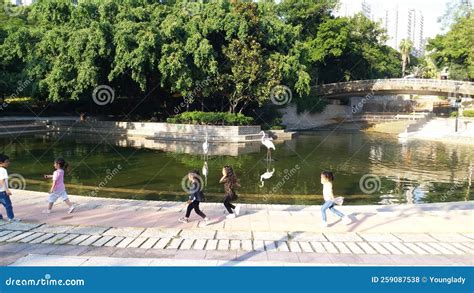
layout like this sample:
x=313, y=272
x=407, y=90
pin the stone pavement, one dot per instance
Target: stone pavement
x=127, y=232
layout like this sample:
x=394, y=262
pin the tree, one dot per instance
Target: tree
x=405, y=47
x=227, y=54
x=351, y=48
x=424, y=68
x=307, y=14
x=454, y=11
x=455, y=49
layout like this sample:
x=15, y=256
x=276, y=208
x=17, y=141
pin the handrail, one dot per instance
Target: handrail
x=403, y=80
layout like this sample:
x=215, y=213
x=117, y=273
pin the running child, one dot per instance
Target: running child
x=195, y=197
x=326, y=180
x=230, y=182
x=5, y=192
x=58, y=189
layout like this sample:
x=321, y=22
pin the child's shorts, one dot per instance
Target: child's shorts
x=53, y=197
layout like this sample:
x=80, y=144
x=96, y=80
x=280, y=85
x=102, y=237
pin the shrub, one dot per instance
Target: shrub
x=277, y=127
x=19, y=100
x=210, y=118
x=468, y=113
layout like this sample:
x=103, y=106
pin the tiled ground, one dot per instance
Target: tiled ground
x=436, y=234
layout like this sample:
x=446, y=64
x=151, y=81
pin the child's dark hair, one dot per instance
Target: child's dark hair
x=197, y=177
x=231, y=178
x=3, y=158
x=328, y=175
x=62, y=163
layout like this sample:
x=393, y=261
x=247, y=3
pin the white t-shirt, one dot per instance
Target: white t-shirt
x=3, y=176
x=327, y=191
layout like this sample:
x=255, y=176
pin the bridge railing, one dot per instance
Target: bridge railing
x=401, y=80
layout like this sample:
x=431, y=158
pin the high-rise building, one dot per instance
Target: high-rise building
x=22, y=2
x=366, y=9
x=349, y=8
x=415, y=31
x=398, y=23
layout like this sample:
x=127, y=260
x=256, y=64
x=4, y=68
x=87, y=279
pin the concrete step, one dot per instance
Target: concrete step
x=22, y=128
x=194, y=137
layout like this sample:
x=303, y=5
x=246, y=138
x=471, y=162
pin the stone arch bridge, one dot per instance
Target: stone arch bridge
x=393, y=86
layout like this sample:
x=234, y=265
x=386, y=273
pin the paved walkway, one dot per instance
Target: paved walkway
x=128, y=232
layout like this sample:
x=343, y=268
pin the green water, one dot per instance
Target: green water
x=414, y=172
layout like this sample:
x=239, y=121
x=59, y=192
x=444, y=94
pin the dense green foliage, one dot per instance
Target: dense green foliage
x=468, y=113
x=218, y=55
x=211, y=118
x=455, y=49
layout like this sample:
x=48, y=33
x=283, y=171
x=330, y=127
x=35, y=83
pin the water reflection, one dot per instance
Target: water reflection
x=413, y=172
x=205, y=172
x=179, y=147
x=265, y=176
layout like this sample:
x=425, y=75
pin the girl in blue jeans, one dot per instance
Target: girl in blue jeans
x=326, y=180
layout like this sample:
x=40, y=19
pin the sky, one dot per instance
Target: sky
x=431, y=10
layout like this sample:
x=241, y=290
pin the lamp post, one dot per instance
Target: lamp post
x=457, y=103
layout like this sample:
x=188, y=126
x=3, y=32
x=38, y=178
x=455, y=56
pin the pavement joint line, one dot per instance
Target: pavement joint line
x=419, y=246
x=450, y=247
x=20, y=236
x=463, y=247
x=43, y=238
x=32, y=237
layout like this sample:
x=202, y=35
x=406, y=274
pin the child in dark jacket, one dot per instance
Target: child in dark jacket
x=230, y=182
x=195, y=197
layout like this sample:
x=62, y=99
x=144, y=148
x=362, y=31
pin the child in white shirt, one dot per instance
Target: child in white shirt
x=5, y=192
x=326, y=180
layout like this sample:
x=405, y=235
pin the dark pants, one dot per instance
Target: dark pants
x=194, y=205
x=228, y=205
x=7, y=203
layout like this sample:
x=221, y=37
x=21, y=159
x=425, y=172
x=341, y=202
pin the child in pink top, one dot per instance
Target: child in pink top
x=58, y=189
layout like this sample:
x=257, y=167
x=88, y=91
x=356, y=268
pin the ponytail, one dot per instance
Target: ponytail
x=63, y=164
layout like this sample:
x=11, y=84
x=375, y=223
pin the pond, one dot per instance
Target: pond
x=369, y=169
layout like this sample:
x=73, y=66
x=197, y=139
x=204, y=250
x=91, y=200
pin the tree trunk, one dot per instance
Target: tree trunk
x=403, y=66
x=243, y=107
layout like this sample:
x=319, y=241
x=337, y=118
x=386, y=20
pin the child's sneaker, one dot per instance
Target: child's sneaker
x=206, y=222
x=230, y=216
x=184, y=220
x=237, y=210
x=324, y=224
x=46, y=211
x=346, y=220
x=14, y=220
x=71, y=209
